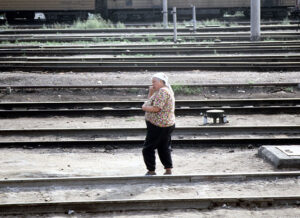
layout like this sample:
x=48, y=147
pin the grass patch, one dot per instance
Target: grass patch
x=186, y=90
x=289, y=89
x=286, y=21
x=133, y=91
x=5, y=26
x=151, y=38
x=131, y=119
x=213, y=22
x=94, y=22
x=268, y=39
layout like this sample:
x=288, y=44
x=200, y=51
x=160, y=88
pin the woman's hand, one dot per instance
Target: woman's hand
x=144, y=107
x=151, y=91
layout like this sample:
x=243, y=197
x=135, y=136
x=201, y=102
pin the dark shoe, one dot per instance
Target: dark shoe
x=168, y=172
x=150, y=173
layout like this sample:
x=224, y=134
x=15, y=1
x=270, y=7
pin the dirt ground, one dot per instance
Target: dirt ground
x=188, y=77
x=60, y=162
x=182, y=77
x=140, y=191
x=139, y=121
x=66, y=162
x=44, y=163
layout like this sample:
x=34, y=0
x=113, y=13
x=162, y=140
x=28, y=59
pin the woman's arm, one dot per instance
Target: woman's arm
x=151, y=109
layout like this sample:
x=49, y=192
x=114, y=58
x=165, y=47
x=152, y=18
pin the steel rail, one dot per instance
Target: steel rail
x=144, y=86
x=129, y=108
x=147, y=30
x=142, y=38
x=151, y=51
x=155, y=47
x=143, y=34
x=155, y=204
x=128, y=143
x=135, y=136
x=158, y=59
x=179, y=131
x=226, y=21
x=164, y=45
x=136, y=112
x=179, y=103
x=152, y=66
x=80, y=181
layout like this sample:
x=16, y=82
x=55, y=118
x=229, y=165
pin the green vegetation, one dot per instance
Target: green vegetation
x=289, y=89
x=213, y=22
x=131, y=119
x=98, y=40
x=268, y=39
x=5, y=26
x=208, y=41
x=133, y=91
x=236, y=14
x=151, y=38
x=94, y=22
x=143, y=55
x=286, y=21
x=186, y=90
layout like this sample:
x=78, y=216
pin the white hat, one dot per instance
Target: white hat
x=164, y=78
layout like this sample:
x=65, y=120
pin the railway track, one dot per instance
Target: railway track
x=204, y=135
x=148, y=66
x=73, y=186
x=129, y=108
x=225, y=21
x=137, y=37
x=156, y=204
x=148, y=30
x=156, y=59
x=210, y=44
x=78, y=181
x=143, y=86
x=225, y=63
x=150, y=49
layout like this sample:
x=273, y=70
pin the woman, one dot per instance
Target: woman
x=160, y=121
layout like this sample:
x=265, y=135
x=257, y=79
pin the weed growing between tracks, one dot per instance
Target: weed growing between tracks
x=289, y=89
x=213, y=22
x=94, y=22
x=286, y=21
x=185, y=90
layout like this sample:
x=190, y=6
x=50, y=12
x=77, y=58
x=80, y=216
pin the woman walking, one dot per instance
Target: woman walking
x=160, y=121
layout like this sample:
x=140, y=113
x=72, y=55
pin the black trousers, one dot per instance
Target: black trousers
x=158, y=138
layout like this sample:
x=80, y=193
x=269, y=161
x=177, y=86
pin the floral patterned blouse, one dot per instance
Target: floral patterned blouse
x=166, y=102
